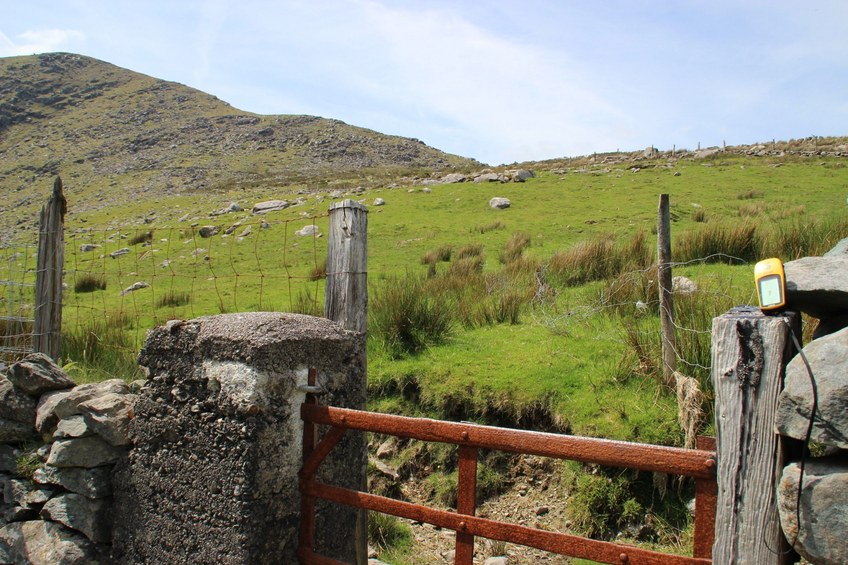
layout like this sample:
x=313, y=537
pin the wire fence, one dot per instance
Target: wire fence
x=120, y=282
x=17, y=283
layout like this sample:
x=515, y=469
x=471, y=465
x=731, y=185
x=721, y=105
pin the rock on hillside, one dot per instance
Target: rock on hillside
x=110, y=131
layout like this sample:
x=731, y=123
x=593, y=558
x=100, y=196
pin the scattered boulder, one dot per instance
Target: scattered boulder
x=489, y=177
x=379, y=202
x=452, y=178
x=270, y=206
x=119, y=252
x=708, y=152
x=233, y=207
x=85, y=247
x=208, y=231
x=246, y=231
x=36, y=374
x=522, y=175
x=134, y=287
x=820, y=537
x=306, y=231
x=499, y=203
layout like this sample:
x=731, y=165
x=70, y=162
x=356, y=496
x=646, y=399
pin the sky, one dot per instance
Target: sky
x=500, y=81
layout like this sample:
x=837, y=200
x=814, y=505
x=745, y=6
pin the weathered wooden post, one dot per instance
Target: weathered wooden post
x=750, y=352
x=346, y=299
x=47, y=324
x=346, y=302
x=669, y=341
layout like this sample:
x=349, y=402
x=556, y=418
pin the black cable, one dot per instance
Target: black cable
x=809, y=431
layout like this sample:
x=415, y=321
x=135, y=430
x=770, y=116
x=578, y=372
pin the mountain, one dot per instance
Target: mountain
x=110, y=132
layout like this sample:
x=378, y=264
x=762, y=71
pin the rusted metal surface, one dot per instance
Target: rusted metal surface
x=466, y=501
x=698, y=463
x=564, y=544
x=688, y=462
x=706, y=496
x=306, y=535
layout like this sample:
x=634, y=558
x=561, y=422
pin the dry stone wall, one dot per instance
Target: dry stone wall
x=816, y=522
x=59, y=445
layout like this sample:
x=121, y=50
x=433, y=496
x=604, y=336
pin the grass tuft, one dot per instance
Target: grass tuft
x=89, y=283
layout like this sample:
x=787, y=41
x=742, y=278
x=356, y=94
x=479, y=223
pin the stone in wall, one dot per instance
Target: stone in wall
x=828, y=358
x=217, y=441
x=823, y=511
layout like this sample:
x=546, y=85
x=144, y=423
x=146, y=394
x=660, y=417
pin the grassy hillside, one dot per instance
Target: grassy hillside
x=113, y=134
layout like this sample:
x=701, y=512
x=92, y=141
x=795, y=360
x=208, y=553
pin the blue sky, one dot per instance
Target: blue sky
x=500, y=81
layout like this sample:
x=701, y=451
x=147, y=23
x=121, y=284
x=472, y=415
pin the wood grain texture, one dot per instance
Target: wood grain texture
x=47, y=324
x=346, y=299
x=748, y=360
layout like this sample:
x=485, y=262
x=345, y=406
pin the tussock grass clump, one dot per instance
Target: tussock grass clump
x=470, y=250
x=800, y=238
x=434, y=256
x=101, y=349
x=719, y=243
x=173, y=299
x=143, y=237
x=405, y=318
x=318, y=271
x=89, y=283
x=388, y=534
x=515, y=247
x=699, y=215
x=465, y=268
x=494, y=226
x=749, y=195
x=598, y=259
x=751, y=210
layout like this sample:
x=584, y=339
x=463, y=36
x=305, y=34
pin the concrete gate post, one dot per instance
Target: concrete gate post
x=212, y=475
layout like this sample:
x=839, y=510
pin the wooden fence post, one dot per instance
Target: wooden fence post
x=669, y=341
x=749, y=355
x=47, y=324
x=346, y=298
x=346, y=302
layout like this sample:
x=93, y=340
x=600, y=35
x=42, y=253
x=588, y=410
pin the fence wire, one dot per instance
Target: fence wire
x=17, y=284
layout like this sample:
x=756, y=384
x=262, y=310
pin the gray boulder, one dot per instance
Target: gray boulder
x=85, y=452
x=820, y=537
x=499, y=203
x=16, y=432
x=14, y=404
x=270, y=206
x=72, y=426
x=85, y=247
x=379, y=202
x=522, y=175
x=134, y=287
x=54, y=406
x=208, y=231
x=306, y=231
x=452, y=178
x=489, y=177
x=25, y=494
x=44, y=543
x=36, y=374
x=828, y=358
x=82, y=514
x=233, y=207
x=109, y=416
x=95, y=482
x=839, y=250
x=117, y=253
x=708, y=152
x=818, y=285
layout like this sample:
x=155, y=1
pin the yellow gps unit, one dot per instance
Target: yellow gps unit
x=771, y=284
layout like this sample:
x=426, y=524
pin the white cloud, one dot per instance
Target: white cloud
x=39, y=41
